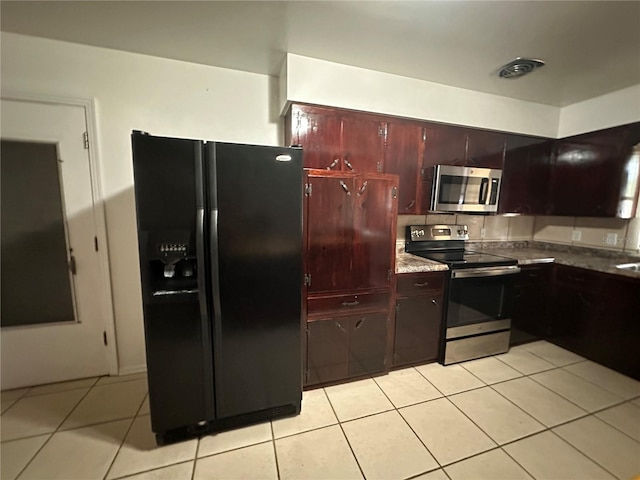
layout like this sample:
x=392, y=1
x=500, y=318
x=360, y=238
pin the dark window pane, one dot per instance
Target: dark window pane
x=35, y=277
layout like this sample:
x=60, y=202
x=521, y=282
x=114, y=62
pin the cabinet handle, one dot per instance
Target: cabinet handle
x=362, y=189
x=349, y=166
x=359, y=323
x=575, y=279
x=411, y=204
x=333, y=164
x=344, y=187
x=340, y=326
x=351, y=304
x=420, y=284
x=433, y=300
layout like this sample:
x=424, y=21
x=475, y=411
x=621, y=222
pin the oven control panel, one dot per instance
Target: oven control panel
x=419, y=233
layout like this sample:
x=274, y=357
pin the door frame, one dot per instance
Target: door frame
x=98, y=207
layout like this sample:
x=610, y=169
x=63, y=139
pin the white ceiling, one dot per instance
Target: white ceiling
x=590, y=47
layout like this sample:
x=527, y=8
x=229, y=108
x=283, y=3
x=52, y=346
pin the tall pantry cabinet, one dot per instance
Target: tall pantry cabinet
x=350, y=228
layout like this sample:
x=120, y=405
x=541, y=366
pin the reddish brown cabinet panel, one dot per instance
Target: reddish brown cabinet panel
x=319, y=132
x=336, y=139
x=587, y=171
x=344, y=347
x=362, y=143
x=530, y=314
x=330, y=231
x=351, y=230
x=403, y=157
x=525, y=175
x=485, y=149
x=595, y=315
x=445, y=145
x=418, y=324
x=327, y=350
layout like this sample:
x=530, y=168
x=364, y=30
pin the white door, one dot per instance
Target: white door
x=52, y=311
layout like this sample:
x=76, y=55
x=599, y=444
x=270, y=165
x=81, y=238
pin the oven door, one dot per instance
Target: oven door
x=480, y=300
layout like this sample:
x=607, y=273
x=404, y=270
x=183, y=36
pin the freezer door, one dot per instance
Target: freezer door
x=255, y=214
x=170, y=210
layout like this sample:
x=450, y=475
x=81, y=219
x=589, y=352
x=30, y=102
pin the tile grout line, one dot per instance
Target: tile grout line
x=344, y=434
x=583, y=454
x=397, y=410
x=51, y=434
x=124, y=438
x=275, y=451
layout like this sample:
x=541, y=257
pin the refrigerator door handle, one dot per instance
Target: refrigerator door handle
x=215, y=276
x=202, y=268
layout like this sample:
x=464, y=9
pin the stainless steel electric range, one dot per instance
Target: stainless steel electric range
x=480, y=291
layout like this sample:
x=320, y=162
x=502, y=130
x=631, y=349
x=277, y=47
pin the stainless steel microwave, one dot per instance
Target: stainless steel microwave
x=465, y=189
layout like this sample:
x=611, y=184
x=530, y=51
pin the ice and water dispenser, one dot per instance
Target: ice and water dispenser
x=172, y=259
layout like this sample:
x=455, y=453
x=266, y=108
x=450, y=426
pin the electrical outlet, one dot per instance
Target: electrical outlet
x=483, y=232
x=576, y=235
x=612, y=238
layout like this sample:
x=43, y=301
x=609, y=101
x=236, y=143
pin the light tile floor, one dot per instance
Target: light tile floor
x=536, y=412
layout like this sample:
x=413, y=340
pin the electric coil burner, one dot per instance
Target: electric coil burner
x=481, y=291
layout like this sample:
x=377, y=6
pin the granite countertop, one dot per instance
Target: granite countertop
x=407, y=263
x=528, y=253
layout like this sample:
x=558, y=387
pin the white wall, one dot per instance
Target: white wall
x=327, y=83
x=615, y=108
x=163, y=97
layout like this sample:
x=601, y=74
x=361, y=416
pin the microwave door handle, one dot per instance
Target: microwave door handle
x=484, y=190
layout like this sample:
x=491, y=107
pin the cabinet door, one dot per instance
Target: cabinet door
x=485, y=149
x=617, y=330
x=362, y=143
x=367, y=344
x=327, y=350
x=529, y=318
x=587, y=172
x=318, y=130
x=374, y=230
x=445, y=145
x=403, y=157
x=576, y=305
x=330, y=233
x=525, y=175
x=418, y=325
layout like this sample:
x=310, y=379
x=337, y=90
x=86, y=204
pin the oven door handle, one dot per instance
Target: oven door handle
x=485, y=272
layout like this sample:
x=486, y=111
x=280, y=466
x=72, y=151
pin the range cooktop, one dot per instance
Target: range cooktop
x=466, y=258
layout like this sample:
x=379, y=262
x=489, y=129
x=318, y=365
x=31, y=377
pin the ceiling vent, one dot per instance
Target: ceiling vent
x=519, y=67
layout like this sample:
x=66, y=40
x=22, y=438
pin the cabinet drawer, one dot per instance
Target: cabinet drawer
x=577, y=277
x=346, y=304
x=419, y=283
x=535, y=274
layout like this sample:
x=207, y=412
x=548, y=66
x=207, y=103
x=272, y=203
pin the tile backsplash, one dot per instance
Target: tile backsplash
x=604, y=233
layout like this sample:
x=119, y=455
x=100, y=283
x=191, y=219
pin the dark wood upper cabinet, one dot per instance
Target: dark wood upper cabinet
x=319, y=131
x=525, y=175
x=330, y=231
x=351, y=226
x=403, y=157
x=335, y=139
x=587, y=172
x=445, y=145
x=362, y=143
x=485, y=149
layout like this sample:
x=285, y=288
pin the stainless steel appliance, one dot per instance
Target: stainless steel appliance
x=480, y=292
x=465, y=189
x=220, y=244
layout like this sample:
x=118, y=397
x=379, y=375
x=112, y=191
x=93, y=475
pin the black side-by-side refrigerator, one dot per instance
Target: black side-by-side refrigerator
x=220, y=245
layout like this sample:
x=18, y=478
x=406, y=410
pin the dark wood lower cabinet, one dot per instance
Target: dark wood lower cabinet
x=343, y=347
x=530, y=314
x=595, y=315
x=418, y=324
x=418, y=327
